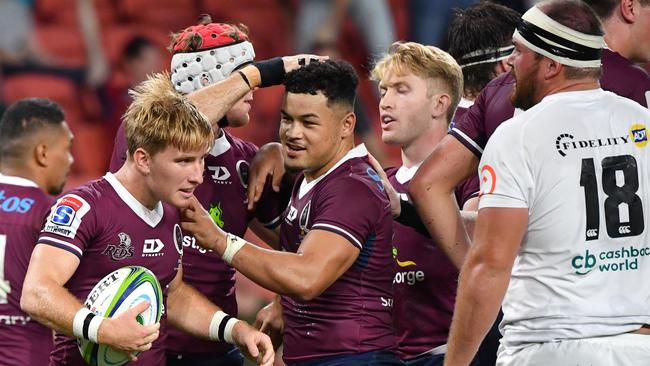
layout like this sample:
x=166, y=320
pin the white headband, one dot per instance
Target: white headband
x=560, y=43
x=478, y=57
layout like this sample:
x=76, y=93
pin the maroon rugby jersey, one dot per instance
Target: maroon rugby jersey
x=23, y=207
x=492, y=106
x=354, y=314
x=107, y=228
x=223, y=194
x=425, y=281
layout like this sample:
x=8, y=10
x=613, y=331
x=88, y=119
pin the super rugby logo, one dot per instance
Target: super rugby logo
x=65, y=217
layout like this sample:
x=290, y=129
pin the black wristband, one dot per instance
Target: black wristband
x=84, y=331
x=271, y=71
x=222, y=327
x=409, y=216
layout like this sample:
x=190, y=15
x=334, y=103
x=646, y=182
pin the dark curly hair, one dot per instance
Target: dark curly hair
x=482, y=26
x=337, y=80
x=22, y=120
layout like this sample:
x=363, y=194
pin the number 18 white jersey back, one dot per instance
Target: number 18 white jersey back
x=579, y=162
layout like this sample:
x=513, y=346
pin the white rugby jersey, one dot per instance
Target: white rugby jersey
x=579, y=162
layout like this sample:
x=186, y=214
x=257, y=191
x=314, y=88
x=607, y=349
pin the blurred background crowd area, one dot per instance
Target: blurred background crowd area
x=86, y=54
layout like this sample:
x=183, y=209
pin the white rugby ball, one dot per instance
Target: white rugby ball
x=114, y=294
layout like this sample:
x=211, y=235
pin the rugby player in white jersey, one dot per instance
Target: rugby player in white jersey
x=561, y=226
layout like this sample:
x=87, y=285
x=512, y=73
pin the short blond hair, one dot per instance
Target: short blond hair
x=159, y=117
x=427, y=62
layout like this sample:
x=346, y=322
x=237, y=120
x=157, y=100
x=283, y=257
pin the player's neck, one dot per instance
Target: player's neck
x=135, y=184
x=419, y=149
x=343, y=149
x=617, y=38
x=572, y=85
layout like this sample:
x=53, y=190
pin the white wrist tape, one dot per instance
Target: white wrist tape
x=221, y=327
x=85, y=325
x=233, y=245
x=78, y=322
x=93, y=328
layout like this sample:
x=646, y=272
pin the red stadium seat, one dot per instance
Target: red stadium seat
x=169, y=15
x=63, y=42
x=63, y=12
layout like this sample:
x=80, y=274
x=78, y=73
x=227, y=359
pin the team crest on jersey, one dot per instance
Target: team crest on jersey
x=243, y=171
x=178, y=239
x=639, y=135
x=303, y=222
x=290, y=213
x=65, y=217
x=121, y=251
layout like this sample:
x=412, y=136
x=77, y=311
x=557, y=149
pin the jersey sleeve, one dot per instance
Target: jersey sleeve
x=466, y=190
x=504, y=172
x=349, y=208
x=69, y=224
x=268, y=209
x=470, y=128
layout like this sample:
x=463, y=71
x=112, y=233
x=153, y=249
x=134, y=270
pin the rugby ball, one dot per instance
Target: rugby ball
x=113, y=295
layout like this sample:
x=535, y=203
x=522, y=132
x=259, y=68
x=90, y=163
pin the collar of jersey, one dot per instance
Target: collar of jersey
x=578, y=94
x=357, y=152
x=405, y=174
x=151, y=217
x=221, y=145
x=17, y=181
x=465, y=103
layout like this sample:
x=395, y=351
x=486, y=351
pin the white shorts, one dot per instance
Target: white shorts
x=623, y=349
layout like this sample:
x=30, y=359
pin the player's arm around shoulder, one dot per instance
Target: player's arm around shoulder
x=192, y=312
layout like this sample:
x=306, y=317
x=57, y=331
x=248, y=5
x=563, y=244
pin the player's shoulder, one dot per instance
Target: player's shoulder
x=241, y=146
x=91, y=191
x=505, y=80
x=620, y=67
x=357, y=177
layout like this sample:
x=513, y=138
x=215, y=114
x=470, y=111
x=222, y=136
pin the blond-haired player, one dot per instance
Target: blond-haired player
x=105, y=225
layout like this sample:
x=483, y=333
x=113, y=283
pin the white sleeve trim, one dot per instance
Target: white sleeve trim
x=64, y=243
x=272, y=222
x=466, y=138
x=343, y=231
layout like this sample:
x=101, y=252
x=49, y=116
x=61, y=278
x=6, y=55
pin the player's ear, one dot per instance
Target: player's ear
x=501, y=67
x=40, y=154
x=440, y=103
x=552, y=68
x=142, y=160
x=628, y=11
x=349, y=121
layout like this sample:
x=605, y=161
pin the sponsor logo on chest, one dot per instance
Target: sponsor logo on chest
x=220, y=174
